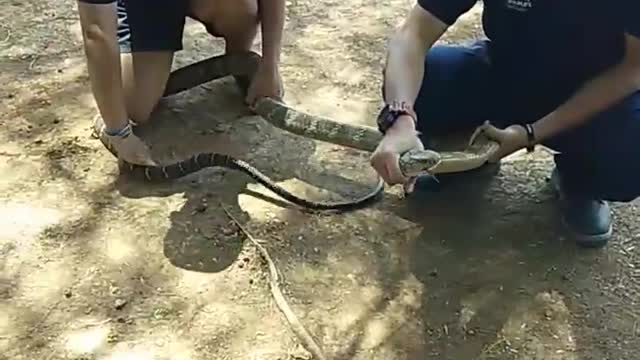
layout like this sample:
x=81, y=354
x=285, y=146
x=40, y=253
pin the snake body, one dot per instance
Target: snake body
x=200, y=161
x=242, y=67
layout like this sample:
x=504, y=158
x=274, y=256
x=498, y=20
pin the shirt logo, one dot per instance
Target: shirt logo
x=520, y=5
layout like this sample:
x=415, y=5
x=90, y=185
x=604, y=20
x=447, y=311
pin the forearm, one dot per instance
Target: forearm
x=99, y=25
x=272, y=14
x=404, y=68
x=596, y=95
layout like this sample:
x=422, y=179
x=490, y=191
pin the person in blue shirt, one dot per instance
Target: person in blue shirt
x=130, y=45
x=565, y=74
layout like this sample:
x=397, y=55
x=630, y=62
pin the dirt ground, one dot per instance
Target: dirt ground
x=97, y=267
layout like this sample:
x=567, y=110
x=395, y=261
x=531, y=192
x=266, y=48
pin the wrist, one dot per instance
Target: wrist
x=529, y=141
x=542, y=129
x=404, y=124
x=397, y=112
x=121, y=130
x=116, y=123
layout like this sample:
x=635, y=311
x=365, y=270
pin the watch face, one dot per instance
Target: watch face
x=385, y=119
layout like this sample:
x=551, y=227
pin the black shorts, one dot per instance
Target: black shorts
x=156, y=25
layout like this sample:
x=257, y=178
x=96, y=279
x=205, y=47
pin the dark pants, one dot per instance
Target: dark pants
x=151, y=26
x=462, y=89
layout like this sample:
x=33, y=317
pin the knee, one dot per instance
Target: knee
x=227, y=18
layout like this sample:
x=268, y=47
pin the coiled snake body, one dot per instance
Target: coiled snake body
x=242, y=67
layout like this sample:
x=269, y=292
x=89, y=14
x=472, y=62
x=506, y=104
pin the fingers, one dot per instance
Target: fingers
x=489, y=131
x=133, y=150
x=479, y=130
x=250, y=99
x=145, y=159
x=386, y=164
x=410, y=185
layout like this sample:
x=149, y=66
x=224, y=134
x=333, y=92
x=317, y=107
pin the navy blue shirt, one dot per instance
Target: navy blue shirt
x=549, y=43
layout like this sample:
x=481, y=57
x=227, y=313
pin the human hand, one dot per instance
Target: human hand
x=266, y=83
x=132, y=150
x=511, y=139
x=128, y=147
x=399, y=139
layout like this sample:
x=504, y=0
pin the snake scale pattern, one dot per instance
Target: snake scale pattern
x=242, y=66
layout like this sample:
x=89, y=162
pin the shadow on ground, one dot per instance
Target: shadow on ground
x=101, y=267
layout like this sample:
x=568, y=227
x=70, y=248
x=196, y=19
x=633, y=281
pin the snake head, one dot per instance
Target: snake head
x=414, y=162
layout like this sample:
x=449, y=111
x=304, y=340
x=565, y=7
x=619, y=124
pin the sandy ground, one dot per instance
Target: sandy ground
x=96, y=267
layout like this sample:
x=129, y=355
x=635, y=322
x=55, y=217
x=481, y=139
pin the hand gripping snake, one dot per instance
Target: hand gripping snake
x=242, y=67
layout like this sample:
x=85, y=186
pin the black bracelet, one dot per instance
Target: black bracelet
x=531, y=138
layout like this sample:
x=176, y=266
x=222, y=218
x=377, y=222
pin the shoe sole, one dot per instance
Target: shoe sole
x=589, y=241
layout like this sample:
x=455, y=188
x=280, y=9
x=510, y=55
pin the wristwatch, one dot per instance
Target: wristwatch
x=391, y=112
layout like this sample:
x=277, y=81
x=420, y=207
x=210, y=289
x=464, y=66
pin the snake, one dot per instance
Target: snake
x=242, y=67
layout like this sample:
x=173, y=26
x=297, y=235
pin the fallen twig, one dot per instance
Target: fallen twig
x=282, y=304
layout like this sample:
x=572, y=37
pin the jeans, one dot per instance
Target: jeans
x=462, y=89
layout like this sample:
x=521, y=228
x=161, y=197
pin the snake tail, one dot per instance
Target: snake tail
x=204, y=160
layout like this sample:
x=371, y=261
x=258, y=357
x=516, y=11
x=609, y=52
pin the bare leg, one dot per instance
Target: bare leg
x=144, y=76
x=236, y=21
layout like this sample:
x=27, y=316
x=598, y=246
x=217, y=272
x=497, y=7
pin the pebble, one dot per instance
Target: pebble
x=202, y=207
x=119, y=304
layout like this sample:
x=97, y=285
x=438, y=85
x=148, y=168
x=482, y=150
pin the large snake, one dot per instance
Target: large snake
x=242, y=66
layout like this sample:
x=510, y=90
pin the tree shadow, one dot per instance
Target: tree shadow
x=212, y=118
x=492, y=245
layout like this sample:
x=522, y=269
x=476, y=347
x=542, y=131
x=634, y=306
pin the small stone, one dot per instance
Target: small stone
x=471, y=332
x=228, y=231
x=221, y=128
x=119, y=304
x=245, y=259
x=241, y=265
x=433, y=273
x=67, y=293
x=56, y=121
x=202, y=207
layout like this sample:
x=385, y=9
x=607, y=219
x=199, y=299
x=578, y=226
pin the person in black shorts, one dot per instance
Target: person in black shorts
x=130, y=45
x=565, y=74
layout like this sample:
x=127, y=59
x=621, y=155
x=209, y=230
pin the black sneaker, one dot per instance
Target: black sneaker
x=589, y=220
